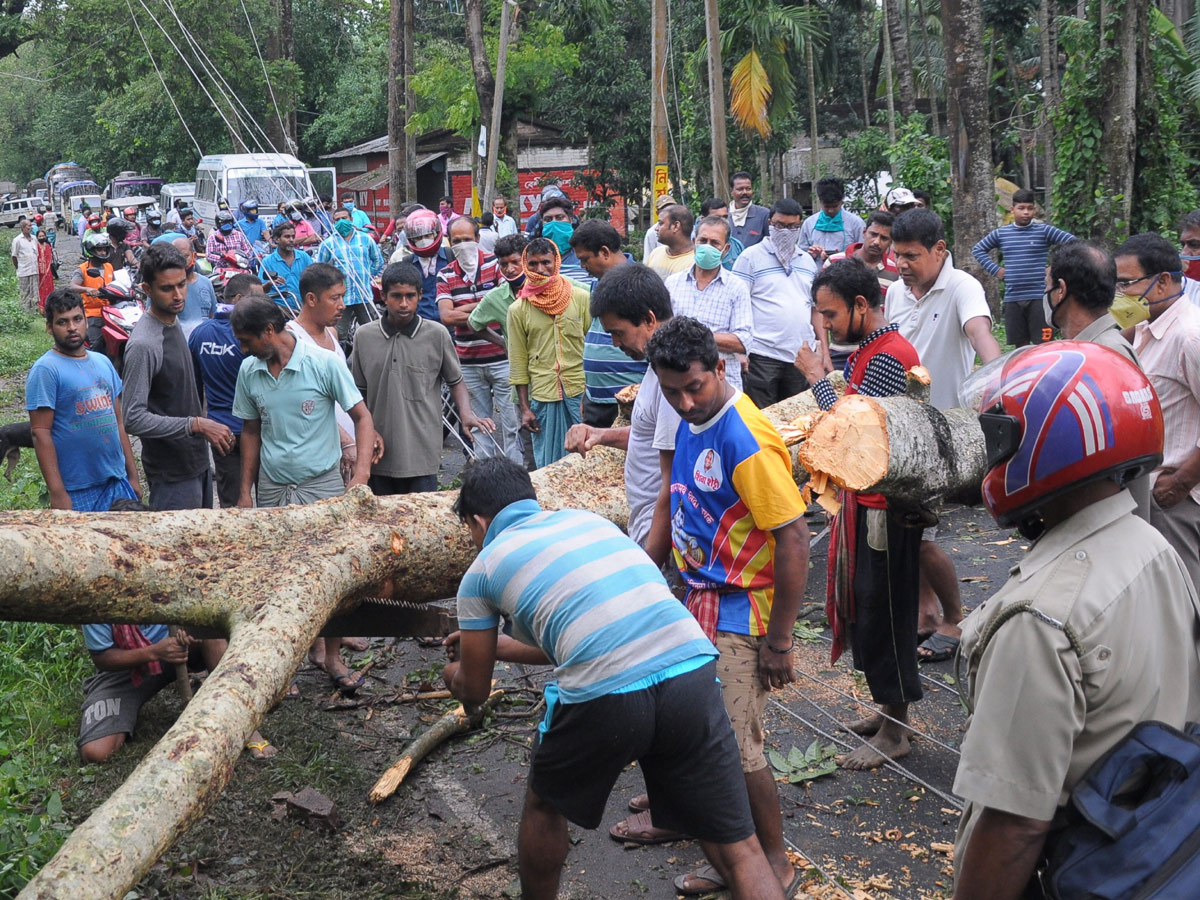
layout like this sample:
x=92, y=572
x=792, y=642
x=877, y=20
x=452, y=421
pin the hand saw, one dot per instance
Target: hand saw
x=377, y=617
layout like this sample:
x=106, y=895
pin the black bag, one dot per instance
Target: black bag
x=1133, y=822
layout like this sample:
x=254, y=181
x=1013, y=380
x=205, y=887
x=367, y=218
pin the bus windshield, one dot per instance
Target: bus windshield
x=133, y=188
x=269, y=187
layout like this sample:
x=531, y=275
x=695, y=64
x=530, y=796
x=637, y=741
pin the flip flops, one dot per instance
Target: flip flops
x=711, y=875
x=349, y=683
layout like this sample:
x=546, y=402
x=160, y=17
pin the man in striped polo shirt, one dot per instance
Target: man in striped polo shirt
x=482, y=354
x=606, y=369
x=1024, y=245
x=636, y=679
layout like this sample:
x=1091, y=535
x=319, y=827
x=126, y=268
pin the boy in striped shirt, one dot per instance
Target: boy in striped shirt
x=1024, y=246
x=636, y=679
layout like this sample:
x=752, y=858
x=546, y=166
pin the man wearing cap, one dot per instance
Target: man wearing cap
x=748, y=222
x=900, y=199
x=650, y=242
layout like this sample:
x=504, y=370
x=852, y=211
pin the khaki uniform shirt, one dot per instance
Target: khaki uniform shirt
x=1109, y=641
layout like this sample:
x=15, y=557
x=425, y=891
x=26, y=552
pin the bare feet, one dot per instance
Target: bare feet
x=356, y=644
x=866, y=726
x=316, y=653
x=877, y=751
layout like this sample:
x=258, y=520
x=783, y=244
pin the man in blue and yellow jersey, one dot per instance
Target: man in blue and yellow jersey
x=738, y=537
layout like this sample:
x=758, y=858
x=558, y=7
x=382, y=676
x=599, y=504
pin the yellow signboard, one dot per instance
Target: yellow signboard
x=661, y=183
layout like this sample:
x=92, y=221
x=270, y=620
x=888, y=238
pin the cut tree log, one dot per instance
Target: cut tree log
x=907, y=450
x=457, y=721
x=270, y=579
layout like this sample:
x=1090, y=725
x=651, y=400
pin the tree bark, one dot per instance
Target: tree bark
x=891, y=84
x=272, y=577
x=398, y=111
x=1123, y=27
x=716, y=100
x=1048, y=35
x=901, y=59
x=485, y=81
x=974, y=192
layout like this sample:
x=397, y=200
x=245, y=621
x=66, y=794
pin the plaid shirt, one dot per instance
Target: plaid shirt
x=359, y=260
x=220, y=244
x=452, y=285
x=724, y=306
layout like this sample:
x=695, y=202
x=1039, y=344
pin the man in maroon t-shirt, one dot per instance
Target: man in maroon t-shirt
x=874, y=576
x=482, y=354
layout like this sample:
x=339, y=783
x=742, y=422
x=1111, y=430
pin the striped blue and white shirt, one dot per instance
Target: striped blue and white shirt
x=576, y=587
x=358, y=259
x=1024, y=250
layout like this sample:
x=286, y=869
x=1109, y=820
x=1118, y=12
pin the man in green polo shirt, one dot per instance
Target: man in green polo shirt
x=291, y=450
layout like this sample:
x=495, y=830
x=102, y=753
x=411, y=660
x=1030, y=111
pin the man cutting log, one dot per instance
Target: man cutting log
x=636, y=679
x=874, y=577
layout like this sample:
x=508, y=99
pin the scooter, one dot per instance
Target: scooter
x=121, y=311
x=231, y=264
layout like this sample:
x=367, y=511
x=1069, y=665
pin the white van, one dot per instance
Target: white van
x=176, y=190
x=11, y=211
x=269, y=178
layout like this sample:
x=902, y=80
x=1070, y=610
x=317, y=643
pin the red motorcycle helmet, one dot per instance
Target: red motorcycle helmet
x=1057, y=416
x=423, y=229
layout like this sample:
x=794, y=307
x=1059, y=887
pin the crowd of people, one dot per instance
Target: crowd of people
x=298, y=385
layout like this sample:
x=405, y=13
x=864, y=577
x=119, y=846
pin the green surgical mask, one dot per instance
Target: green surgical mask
x=344, y=227
x=560, y=233
x=708, y=257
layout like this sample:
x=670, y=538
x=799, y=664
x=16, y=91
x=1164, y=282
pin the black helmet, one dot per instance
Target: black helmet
x=223, y=217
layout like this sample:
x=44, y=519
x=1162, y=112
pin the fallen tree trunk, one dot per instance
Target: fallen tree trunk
x=905, y=449
x=271, y=579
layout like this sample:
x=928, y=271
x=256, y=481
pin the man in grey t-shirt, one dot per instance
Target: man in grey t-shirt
x=162, y=402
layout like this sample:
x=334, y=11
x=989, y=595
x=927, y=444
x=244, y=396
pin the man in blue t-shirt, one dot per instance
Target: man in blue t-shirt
x=636, y=679
x=218, y=356
x=1024, y=245
x=74, y=401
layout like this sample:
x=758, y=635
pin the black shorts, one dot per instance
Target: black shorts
x=1025, y=323
x=887, y=584
x=679, y=734
x=111, y=702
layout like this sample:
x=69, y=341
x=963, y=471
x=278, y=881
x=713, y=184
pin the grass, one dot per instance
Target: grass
x=41, y=666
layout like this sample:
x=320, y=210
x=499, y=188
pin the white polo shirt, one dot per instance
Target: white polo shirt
x=935, y=325
x=781, y=301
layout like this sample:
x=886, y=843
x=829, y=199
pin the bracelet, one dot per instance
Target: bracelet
x=787, y=649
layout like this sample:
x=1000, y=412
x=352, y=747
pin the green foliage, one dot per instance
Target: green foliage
x=916, y=160
x=864, y=155
x=41, y=667
x=803, y=765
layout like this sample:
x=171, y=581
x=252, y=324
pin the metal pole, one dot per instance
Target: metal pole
x=493, y=150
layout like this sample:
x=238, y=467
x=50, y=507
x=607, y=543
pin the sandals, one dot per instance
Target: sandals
x=638, y=829
x=349, y=683
x=258, y=750
x=937, y=647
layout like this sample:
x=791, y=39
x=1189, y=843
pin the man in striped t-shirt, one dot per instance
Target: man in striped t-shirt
x=482, y=354
x=1024, y=246
x=636, y=679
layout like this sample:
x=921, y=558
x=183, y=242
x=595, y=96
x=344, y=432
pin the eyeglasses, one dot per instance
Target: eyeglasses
x=1191, y=245
x=1130, y=282
x=795, y=227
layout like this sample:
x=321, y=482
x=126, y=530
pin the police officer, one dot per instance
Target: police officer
x=1095, y=629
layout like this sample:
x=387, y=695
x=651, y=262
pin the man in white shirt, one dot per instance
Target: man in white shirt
x=502, y=222
x=713, y=295
x=25, y=261
x=943, y=312
x=1168, y=345
x=779, y=274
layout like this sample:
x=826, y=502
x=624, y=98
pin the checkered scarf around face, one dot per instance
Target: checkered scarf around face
x=549, y=293
x=130, y=637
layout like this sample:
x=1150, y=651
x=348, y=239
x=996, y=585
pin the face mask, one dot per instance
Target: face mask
x=1191, y=267
x=295, y=217
x=349, y=204
x=784, y=241
x=515, y=284
x=1048, y=310
x=252, y=216
x=226, y=229
x=708, y=257
x=467, y=254
x=344, y=227
x=190, y=269
x=560, y=233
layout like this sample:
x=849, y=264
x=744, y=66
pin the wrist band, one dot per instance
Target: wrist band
x=787, y=649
